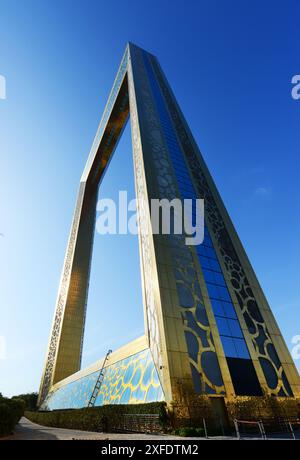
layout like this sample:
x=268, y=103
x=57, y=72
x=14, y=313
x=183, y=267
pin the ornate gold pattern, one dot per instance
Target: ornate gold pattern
x=271, y=366
x=145, y=234
x=181, y=335
x=61, y=301
x=132, y=380
x=194, y=316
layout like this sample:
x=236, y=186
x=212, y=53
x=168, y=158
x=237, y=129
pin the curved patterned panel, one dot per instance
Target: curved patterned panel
x=133, y=380
x=200, y=344
x=129, y=381
x=257, y=328
x=187, y=283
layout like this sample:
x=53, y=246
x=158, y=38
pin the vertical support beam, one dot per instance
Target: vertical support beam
x=68, y=358
x=169, y=265
x=65, y=344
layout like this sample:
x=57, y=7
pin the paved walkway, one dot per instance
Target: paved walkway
x=31, y=431
x=26, y=430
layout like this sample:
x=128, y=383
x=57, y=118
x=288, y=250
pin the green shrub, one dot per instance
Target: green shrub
x=7, y=419
x=262, y=407
x=18, y=407
x=100, y=418
x=11, y=410
x=188, y=431
x=30, y=400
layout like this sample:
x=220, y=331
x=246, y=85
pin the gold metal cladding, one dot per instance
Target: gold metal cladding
x=123, y=352
x=66, y=338
x=268, y=350
x=167, y=266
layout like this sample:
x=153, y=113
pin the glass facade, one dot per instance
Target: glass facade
x=232, y=337
x=230, y=331
x=199, y=340
x=129, y=381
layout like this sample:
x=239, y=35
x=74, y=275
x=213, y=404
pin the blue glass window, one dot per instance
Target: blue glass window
x=202, y=250
x=219, y=279
x=235, y=328
x=209, y=276
x=229, y=328
x=217, y=307
x=212, y=291
x=229, y=348
x=224, y=294
x=210, y=253
x=241, y=348
x=215, y=265
x=205, y=262
x=207, y=241
x=223, y=326
x=229, y=310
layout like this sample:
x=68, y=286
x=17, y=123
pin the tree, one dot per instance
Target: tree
x=30, y=400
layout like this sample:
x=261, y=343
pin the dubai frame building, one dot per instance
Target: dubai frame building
x=208, y=326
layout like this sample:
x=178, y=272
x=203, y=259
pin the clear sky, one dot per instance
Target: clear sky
x=230, y=64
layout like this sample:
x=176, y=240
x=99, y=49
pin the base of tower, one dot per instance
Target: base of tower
x=130, y=377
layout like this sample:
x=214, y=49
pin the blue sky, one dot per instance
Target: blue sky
x=230, y=64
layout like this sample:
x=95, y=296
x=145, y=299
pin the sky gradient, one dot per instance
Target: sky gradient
x=230, y=65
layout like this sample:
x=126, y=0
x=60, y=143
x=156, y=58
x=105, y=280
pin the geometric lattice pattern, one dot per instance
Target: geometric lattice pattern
x=273, y=371
x=208, y=327
x=129, y=381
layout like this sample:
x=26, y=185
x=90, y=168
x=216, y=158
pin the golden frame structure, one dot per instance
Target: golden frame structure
x=168, y=267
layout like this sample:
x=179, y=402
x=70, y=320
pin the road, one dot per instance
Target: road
x=26, y=430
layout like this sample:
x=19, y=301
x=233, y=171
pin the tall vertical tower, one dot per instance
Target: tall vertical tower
x=208, y=326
